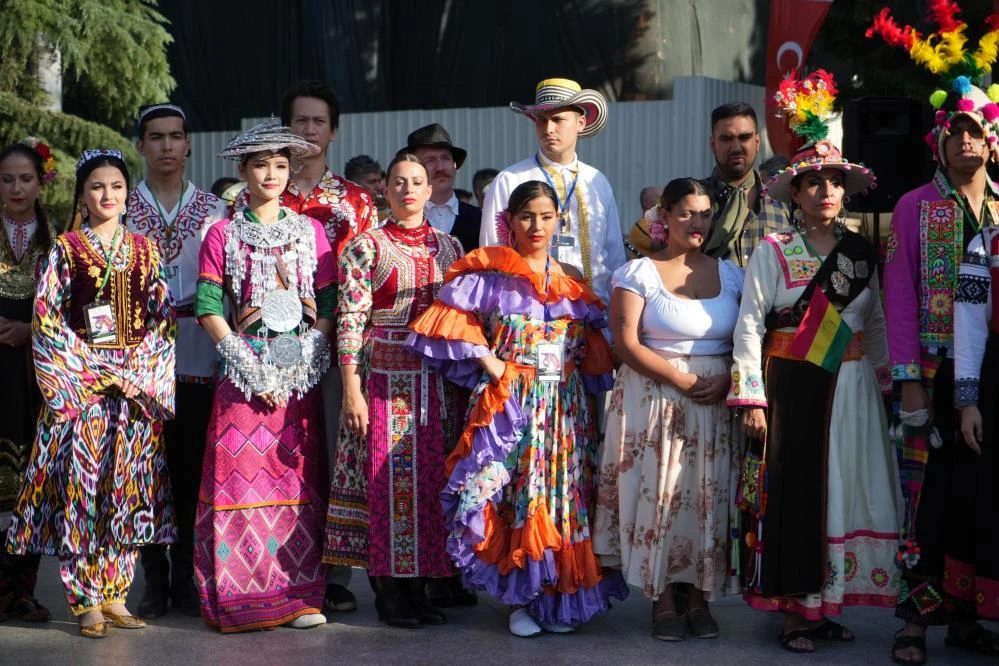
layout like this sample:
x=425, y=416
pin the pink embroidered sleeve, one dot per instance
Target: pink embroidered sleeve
x=354, y=298
x=902, y=289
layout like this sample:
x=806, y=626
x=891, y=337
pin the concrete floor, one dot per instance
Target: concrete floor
x=475, y=634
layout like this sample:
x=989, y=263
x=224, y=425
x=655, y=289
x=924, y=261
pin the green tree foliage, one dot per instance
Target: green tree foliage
x=113, y=60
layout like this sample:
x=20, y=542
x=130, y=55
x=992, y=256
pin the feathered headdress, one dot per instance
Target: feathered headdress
x=961, y=71
x=807, y=105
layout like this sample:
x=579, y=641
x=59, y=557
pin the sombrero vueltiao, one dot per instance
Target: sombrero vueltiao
x=808, y=105
x=552, y=94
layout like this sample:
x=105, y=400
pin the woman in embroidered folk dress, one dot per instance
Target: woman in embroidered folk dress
x=25, y=240
x=259, y=521
x=398, y=414
x=521, y=330
x=669, y=465
x=96, y=486
x=828, y=534
x=976, y=394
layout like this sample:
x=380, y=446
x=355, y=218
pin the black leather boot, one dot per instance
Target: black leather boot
x=392, y=600
x=156, y=569
x=424, y=610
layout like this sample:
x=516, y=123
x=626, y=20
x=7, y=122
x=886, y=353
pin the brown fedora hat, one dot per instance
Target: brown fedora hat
x=434, y=135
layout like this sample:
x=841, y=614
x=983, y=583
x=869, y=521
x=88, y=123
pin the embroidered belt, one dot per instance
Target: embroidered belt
x=389, y=356
x=778, y=343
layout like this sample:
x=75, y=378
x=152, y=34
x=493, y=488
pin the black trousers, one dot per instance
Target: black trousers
x=184, y=439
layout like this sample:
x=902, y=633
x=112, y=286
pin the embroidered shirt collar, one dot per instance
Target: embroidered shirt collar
x=944, y=188
x=571, y=167
x=185, y=198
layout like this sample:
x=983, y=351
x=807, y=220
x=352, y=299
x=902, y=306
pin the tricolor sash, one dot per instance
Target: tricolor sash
x=822, y=336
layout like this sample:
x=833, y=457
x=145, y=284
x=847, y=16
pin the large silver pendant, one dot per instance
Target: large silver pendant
x=281, y=310
x=285, y=351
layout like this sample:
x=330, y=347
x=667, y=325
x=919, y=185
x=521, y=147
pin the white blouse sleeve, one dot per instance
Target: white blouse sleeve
x=733, y=277
x=759, y=294
x=971, y=314
x=876, y=336
x=635, y=276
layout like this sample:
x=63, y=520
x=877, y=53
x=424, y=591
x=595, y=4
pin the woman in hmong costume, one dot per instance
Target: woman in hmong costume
x=258, y=529
x=25, y=239
x=826, y=534
x=521, y=330
x=96, y=486
x=398, y=415
x=974, y=563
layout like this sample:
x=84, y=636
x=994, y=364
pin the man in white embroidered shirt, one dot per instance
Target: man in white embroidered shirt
x=589, y=235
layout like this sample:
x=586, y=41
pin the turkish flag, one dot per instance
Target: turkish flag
x=793, y=27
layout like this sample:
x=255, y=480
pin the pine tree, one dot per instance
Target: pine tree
x=105, y=58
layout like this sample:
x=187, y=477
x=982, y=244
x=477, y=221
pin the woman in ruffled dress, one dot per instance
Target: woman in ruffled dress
x=398, y=416
x=670, y=462
x=810, y=334
x=263, y=486
x=96, y=487
x=523, y=332
x=25, y=239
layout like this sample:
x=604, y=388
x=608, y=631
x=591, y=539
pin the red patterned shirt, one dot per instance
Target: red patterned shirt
x=343, y=208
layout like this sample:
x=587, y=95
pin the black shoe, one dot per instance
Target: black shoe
x=449, y=592
x=184, y=597
x=424, y=609
x=339, y=599
x=157, y=572
x=393, y=603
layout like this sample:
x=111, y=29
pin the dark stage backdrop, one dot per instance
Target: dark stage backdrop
x=233, y=59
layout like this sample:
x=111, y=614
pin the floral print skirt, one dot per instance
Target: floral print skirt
x=667, y=483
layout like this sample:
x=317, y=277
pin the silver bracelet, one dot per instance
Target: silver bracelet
x=243, y=367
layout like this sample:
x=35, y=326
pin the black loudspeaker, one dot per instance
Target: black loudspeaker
x=887, y=135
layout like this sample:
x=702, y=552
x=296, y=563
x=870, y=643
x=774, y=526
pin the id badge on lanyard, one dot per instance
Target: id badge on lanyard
x=549, y=361
x=101, y=325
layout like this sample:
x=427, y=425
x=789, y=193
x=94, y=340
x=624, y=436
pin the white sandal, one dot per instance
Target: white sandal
x=523, y=625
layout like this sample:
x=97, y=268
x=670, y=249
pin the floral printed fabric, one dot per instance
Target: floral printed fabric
x=667, y=479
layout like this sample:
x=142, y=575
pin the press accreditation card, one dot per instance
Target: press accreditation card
x=549, y=362
x=100, y=323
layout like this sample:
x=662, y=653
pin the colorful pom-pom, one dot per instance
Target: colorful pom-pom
x=940, y=117
x=938, y=98
x=990, y=112
x=993, y=92
x=961, y=85
x=965, y=104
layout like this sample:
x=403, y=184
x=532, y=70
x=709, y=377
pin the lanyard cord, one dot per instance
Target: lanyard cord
x=563, y=206
x=108, y=256
x=170, y=225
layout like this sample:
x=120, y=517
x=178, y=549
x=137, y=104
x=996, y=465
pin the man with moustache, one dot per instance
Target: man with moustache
x=176, y=215
x=442, y=159
x=743, y=215
x=589, y=233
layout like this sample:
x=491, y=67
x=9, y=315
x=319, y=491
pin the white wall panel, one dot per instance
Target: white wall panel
x=644, y=143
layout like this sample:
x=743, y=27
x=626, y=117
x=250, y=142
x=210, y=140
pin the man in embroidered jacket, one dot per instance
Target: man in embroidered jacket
x=176, y=215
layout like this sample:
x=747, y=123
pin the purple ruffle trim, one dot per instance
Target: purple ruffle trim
x=492, y=444
x=488, y=292
x=455, y=360
x=598, y=383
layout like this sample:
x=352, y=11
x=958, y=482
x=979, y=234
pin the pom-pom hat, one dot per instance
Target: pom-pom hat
x=961, y=71
x=807, y=104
